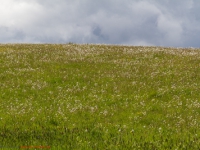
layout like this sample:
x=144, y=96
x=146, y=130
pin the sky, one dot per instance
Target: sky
x=171, y=23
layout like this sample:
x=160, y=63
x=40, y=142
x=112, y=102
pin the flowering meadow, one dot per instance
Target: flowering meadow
x=71, y=96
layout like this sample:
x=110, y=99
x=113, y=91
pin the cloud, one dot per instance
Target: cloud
x=138, y=22
x=19, y=13
x=170, y=28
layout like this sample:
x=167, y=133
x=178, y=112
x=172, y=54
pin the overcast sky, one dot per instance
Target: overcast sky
x=128, y=22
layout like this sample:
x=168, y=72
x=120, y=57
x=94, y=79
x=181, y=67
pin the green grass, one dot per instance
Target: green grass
x=99, y=97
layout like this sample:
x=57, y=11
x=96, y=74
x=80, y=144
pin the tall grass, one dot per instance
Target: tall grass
x=99, y=97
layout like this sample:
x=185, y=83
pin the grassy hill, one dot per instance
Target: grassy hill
x=99, y=97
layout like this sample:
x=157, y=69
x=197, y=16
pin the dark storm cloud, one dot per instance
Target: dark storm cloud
x=133, y=22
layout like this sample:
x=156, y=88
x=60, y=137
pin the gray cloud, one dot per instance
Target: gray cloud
x=138, y=22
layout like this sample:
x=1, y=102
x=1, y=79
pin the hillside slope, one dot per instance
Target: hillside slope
x=99, y=96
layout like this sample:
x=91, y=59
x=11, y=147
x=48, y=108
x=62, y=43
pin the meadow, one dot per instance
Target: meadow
x=71, y=96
